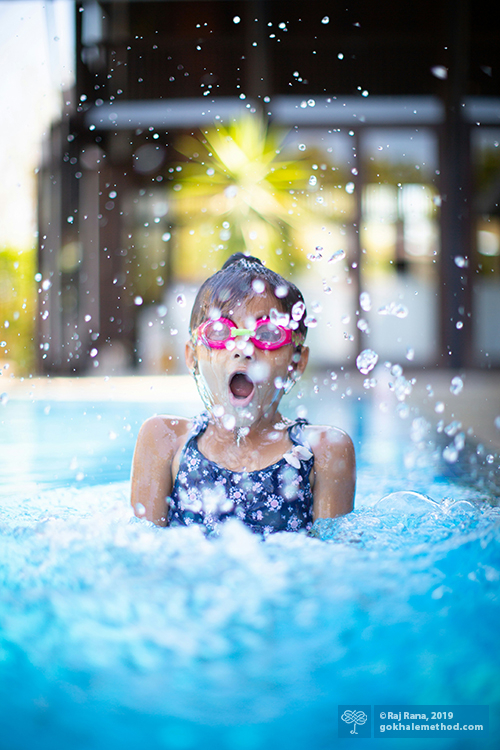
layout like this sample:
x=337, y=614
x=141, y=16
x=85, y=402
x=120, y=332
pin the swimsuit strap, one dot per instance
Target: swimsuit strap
x=296, y=433
x=200, y=424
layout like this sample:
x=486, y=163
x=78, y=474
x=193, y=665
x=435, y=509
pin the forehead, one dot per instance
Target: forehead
x=257, y=306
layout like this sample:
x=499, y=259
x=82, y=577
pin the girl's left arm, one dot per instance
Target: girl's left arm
x=334, y=472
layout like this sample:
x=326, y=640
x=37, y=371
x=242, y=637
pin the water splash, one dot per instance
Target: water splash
x=456, y=385
x=366, y=361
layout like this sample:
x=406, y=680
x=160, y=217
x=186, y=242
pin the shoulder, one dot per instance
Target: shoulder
x=162, y=434
x=328, y=443
x=325, y=435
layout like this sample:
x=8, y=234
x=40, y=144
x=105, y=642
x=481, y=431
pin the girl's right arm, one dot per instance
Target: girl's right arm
x=157, y=444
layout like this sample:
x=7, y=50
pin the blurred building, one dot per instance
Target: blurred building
x=401, y=103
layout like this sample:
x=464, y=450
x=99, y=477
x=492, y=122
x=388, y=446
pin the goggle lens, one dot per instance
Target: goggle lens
x=216, y=331
x=268, y=333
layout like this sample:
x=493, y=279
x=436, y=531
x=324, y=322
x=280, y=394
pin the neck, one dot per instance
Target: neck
x=252, y=434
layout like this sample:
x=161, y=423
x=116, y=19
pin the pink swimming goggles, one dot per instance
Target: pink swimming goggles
x=266, y=335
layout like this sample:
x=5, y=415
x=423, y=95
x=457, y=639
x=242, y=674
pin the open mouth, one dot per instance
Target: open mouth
x=241, y=387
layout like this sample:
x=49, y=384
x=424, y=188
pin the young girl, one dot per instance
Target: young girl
x=242, y=458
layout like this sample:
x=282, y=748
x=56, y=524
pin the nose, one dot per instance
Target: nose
x=244, y=348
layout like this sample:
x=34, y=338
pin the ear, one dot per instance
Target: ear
x=190, y=356
x=301, y=365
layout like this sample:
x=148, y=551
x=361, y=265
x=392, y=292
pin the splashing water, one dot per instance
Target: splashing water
x=337, y=256
x=365, y=301
x=298, y=311
x=116, y=633
x=456, y=385
x=366, y=361
x=398, y=310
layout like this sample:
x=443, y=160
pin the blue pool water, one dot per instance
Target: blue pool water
x=116, y=634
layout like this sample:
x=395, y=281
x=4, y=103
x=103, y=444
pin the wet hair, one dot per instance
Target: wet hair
x=235, y=281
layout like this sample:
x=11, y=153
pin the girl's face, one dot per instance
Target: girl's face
x=242, y=384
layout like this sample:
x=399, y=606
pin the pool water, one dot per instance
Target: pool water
x=117, y=634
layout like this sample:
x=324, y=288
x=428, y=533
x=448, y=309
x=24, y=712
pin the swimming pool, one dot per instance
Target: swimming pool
x=118, y=634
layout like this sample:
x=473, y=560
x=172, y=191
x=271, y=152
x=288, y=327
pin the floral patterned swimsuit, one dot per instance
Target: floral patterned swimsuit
x=277, y=498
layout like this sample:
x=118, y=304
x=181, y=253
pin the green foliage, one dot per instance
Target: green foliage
x=17, y=309
x=241, y=191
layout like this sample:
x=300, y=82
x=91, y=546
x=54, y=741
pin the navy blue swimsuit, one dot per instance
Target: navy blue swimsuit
x=277, y=498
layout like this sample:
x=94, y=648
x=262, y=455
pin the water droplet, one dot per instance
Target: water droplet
x=459, y=325
x=366, y=361
x=316, y=307
x=94, y=352
x=363, y=326
x=365, y=301
x=439, y=71
x=229, y=421
x=280, y=318
x=259, y=371
x=497, y=422
x=450, y=454
x=456, y=385
x=138, y=300
x=298, y=310
x=87, y=318
x=38, y=277
x=310, y=322
x=181, y=300
x=174, y=331
x=46, y=285
x=317, y=255
x=337, y=255
x=403, y=410
x=162, y=311
x=439, y=408
x=313, y=180
x=281, y=291
x=461, y=262
x=410, y=353
x=166, y=236
x=4, y=399
x=399, y=311
x=236, y=19
x=45, y=315
x=302, y=146
x=258, y=286
x=325, y=19
x=349, y=188
x=140, y=510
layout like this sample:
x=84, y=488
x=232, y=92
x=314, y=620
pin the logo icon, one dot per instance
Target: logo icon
x=354, y=721
x=354, y=717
